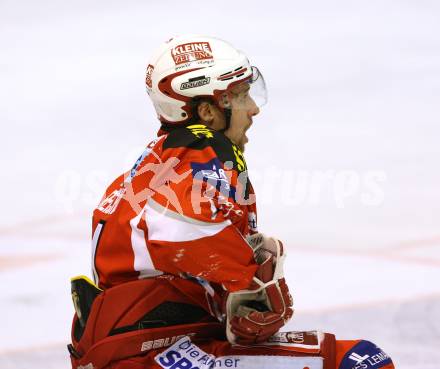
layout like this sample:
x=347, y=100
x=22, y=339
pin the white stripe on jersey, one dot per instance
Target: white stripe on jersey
x=167, y=225
x=95, y=240
x=142, y=259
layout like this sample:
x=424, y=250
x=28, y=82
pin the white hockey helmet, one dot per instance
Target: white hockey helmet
x=192, y=66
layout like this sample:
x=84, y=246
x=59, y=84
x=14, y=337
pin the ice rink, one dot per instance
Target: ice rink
x=344, y=158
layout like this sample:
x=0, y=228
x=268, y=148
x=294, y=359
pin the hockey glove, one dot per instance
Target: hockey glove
x=255, y=314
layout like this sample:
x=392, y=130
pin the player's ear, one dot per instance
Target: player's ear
x=205, y=111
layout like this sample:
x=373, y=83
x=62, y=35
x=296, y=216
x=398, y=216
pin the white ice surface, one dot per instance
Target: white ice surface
x=353, y=88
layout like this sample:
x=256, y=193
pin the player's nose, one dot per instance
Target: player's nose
x=254, y=110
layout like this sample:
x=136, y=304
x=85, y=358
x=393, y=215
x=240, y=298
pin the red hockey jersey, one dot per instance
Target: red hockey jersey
x=173, y=229
x=185, y=208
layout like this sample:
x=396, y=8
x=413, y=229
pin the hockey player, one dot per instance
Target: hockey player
x=183, y=279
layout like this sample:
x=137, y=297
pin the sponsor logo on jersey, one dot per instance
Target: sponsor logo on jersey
x=216, y=179
x=195, y=82
x=200, y=130
x=146, y=152
x=109, y=204
x=148, y=82
x=241, y=163
x=212, y=172
x=191, y=51
x=227, y=207
x=358, y=358
x=186, y=355
x=365, y=355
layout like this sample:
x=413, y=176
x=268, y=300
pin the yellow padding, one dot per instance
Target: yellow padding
x=86, y=279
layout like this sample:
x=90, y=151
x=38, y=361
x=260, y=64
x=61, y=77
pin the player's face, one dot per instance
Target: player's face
x=243, y=109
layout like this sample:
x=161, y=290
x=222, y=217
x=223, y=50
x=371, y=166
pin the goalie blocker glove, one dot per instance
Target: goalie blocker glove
x=255, y=314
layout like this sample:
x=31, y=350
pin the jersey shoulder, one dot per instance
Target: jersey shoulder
x=201, y=137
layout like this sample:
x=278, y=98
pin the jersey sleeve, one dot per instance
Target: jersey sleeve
x=196, y=220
